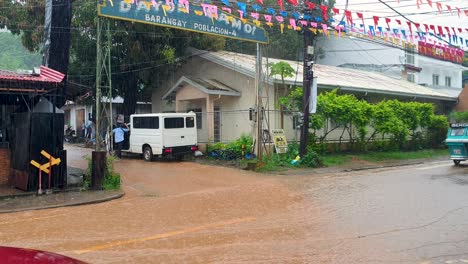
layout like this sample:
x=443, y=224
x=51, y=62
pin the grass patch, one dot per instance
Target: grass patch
x=335, y=160
x=399, y=155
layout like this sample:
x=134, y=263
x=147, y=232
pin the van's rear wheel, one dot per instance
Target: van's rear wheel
x=456, y=162
x=147, y=154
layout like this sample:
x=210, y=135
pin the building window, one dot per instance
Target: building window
x=410, y=77
x=448, y=81
x=174, y=122
x=198, y=114
x=410, y=57
x=435, y=79
x=297, y=122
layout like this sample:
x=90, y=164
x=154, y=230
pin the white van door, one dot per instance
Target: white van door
x=176, y=134
x=146, y=131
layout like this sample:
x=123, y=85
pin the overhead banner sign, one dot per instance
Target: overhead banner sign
x=454, y=55
x=183, y=15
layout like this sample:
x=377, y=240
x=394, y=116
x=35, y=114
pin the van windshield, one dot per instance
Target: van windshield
x=457, y=131
x=173, y=122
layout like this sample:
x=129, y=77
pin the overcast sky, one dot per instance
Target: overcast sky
x=424, y=15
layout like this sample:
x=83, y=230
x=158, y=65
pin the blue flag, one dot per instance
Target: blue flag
x=271, y=10
x=318, y=19
x=242, y=7
x=226, y=2
x=257, y=7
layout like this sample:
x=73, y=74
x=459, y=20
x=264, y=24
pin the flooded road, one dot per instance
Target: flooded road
x=193, y=213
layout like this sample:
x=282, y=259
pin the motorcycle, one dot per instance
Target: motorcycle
x=69, y=135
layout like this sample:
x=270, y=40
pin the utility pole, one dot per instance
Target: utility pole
x=259, y=117
x=308, y=76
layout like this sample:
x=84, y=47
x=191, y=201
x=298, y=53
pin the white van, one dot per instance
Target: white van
x=164, y=134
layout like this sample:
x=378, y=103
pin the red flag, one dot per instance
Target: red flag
x=448, y=31
x=417, y=3
x=310, y=5
x=409, y=25
x=417, y=25
x=387, y=20
x=429, y=2
x=280, y=3
x=458, y=11
x=449, y=8
x=453, y=30
x=324, y=9
x=359, y=15
x=336, y=11
x=293, y=2
x=441, y=32
x=460, y=30
x=349, y=16
x=426, y=27
x=439, y=6
x=398, y=21
x=376, y=20
x=466, y=12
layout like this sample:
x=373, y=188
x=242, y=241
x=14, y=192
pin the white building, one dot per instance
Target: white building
x=76, y=114
x=394, y=62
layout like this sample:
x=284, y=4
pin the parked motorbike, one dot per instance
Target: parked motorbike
x=70, y=135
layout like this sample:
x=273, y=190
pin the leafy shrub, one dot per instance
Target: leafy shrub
x=236, y=145
x=112, y=179
x=216, y=146
x=311, y=159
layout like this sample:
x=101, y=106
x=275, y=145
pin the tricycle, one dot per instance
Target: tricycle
x=457, y=141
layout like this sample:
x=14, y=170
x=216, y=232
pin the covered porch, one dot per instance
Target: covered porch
x=203, y=97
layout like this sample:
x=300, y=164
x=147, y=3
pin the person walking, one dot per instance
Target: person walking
x=119, y=133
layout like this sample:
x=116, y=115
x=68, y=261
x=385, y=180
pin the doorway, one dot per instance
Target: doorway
x=217, y=124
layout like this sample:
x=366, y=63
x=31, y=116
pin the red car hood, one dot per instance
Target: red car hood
x=10, y=255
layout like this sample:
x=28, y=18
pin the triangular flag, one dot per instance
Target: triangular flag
x=280, y=3
x=449, y=8
x=429, y=2
x=439, y=7
x=388, y=21
x=336, y=11
x=324, y=9
x=310, y=5
x=349, y=16
x=293, y=2
x=376, y=20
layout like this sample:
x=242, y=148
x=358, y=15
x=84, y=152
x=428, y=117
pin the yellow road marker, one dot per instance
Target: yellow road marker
x=165, y=235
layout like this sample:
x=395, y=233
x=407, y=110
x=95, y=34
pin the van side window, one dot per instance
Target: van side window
x=174, y=122
x=189, y=122
x=146, y=122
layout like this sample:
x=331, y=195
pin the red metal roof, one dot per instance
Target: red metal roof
x=46, y=75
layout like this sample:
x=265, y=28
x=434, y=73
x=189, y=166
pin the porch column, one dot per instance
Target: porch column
x=210, y=118
x=177, y=105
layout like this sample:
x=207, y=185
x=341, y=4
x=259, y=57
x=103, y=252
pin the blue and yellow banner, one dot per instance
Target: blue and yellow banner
x=184, y=15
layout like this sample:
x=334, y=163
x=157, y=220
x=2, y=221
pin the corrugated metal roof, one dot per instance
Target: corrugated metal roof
x=46, y=75
x=329, y=76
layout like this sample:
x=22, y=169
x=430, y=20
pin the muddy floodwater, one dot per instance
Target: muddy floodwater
x=186, y=212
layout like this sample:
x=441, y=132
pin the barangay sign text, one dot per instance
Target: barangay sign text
x=160, y=13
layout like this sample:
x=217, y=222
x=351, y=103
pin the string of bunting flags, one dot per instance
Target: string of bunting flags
x=440, y=7
x=395, y=31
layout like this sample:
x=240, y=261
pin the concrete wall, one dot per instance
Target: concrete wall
x=4, y=166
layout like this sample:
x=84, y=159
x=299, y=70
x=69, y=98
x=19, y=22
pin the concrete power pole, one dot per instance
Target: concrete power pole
x=259, y=117
x=308, y=76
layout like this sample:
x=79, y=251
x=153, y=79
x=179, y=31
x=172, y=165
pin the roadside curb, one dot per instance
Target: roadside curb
x=117, y=195
x=28, y=194
x=383, y=166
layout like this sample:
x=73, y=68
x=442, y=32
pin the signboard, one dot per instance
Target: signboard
x=442, y=53
x=185, y=16
x=279, y=139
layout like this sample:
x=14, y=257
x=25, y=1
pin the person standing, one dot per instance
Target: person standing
x=119, y=133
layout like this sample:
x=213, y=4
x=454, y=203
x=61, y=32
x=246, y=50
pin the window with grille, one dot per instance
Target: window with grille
x=448, y=81
x=435, y=79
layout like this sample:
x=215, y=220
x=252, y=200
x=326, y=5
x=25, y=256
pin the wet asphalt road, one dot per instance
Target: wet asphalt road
x=193, y=213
